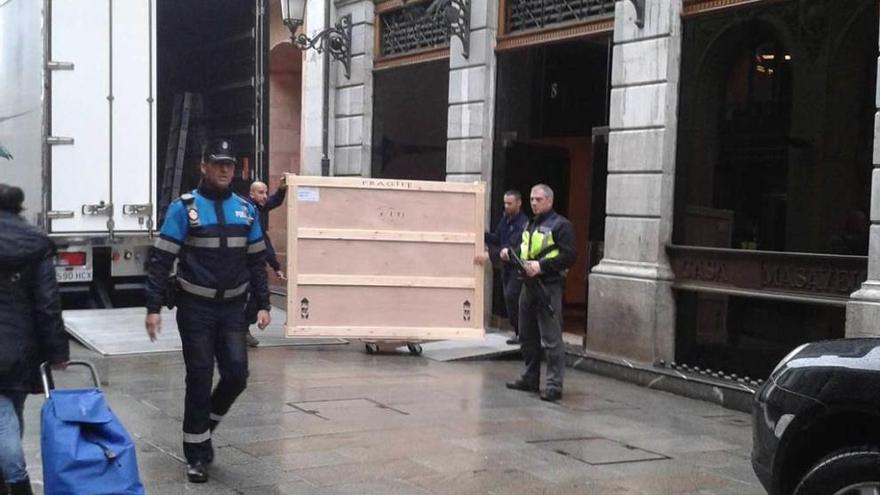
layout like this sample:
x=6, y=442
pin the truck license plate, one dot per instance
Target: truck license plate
x=73, y=275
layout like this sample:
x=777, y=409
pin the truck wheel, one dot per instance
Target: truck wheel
x=415, y=349
x=851, y=471
x=372, y=348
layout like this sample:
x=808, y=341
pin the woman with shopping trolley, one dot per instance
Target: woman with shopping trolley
x=31, y=329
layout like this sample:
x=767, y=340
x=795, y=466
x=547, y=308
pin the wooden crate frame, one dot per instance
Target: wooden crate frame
x=317, y=262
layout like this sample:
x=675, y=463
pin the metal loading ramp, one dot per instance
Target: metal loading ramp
x=116, y=332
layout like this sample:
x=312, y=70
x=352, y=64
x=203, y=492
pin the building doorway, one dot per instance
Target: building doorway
x=549, y=101
x=285, y=110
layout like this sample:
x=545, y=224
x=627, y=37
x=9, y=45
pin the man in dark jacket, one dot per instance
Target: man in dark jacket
x=508, y=232
x=548, y=250
x=264, y=203
x=31, y=329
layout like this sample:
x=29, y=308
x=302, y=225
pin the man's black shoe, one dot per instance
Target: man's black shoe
x=551, y=395
x=522, y=385
x=514, y=340
x=197, y=472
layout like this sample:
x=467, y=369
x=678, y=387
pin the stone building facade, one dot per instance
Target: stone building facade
x=636, y=295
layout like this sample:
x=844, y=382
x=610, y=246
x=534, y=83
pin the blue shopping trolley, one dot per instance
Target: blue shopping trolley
x=85, y=449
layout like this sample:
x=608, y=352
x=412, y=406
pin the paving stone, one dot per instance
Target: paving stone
x=398, y=424
x=363, y=472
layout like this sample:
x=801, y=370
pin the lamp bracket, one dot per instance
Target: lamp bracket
x=336, y=40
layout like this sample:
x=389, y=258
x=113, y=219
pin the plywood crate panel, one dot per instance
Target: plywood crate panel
x=384, y=259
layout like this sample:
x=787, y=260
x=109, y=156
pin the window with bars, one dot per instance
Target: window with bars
x=523, y=15
x=408, y=30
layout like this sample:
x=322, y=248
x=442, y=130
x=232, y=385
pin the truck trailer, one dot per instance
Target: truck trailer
x=103, y=107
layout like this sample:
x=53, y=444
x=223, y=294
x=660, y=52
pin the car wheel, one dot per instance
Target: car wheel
x=851, y=471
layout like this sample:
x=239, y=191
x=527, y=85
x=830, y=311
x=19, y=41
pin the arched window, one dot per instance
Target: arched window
x=751, y=179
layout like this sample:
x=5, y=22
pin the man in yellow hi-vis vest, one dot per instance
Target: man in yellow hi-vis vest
x=547, y=251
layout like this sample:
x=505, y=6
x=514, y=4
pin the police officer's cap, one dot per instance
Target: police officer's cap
x=220, y=150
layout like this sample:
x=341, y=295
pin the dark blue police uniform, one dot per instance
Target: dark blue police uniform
x=219, y=241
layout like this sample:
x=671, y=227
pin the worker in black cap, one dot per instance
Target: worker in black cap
x=216, y=234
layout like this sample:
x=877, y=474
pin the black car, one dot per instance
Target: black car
x=816, y=421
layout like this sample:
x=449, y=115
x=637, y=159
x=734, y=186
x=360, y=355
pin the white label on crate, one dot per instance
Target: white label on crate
x=308, y=194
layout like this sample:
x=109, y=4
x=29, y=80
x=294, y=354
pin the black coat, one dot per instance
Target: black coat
x=31, y=328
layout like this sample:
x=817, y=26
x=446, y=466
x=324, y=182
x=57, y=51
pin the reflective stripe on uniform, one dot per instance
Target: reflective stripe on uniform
x=214, y=242
x=216, y=417
x=210, y=293
x=166, y=245
x=196, y=437
x=203, y=242
x=257, y=247
x=241, y=289
x=236, y=242
x=196, y=289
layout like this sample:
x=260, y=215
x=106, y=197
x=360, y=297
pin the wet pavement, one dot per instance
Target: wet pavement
x=335, y=420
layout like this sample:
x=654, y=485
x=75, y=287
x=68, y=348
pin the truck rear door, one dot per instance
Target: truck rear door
x=102, y=116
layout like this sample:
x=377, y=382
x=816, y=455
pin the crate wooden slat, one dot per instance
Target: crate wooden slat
x=381, y=259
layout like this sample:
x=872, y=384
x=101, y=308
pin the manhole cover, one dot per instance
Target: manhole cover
x=598, y=451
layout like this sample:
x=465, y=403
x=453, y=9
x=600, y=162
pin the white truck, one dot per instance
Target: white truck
x=87, y=92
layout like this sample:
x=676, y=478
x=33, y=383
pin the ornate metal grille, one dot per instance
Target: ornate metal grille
x=408, y=29
x=523, y=15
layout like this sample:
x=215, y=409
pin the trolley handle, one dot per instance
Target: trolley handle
x=49, y=383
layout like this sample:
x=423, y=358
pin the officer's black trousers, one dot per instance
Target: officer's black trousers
x=537, y=327
x=210, y=329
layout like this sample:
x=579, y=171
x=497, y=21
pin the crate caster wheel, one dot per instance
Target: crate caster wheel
x=415, y=349
x=372, y=348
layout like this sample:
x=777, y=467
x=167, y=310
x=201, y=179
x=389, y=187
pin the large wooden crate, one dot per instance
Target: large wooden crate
x=379, y=259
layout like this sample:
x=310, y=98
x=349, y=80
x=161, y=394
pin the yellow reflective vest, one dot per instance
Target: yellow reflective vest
x=538, y=244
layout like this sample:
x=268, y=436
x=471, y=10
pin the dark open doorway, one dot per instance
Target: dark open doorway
x=550, y=98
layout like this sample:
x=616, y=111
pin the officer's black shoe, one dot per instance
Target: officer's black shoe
x=197, y=472
x=551, y=395
x=522, y=385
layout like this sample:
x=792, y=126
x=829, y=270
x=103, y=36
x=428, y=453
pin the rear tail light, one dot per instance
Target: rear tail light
x=72, y=258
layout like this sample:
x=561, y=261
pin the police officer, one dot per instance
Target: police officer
x=218, y=238
x=548, y=252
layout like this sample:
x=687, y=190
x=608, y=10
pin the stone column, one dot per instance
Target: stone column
x=631, y=306
x=472, y=98
x=863, y=310
x=312, y=81
x=353, y=115
x=351, y=99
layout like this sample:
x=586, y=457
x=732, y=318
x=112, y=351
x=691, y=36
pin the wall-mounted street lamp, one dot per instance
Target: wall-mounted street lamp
x=332, y=41
x=336, y=40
